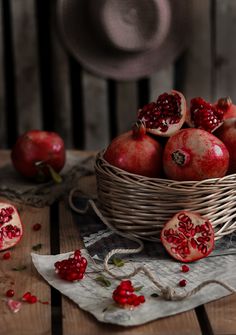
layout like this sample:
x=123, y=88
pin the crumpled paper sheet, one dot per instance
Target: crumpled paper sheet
x=15, y=187
x=89, y=295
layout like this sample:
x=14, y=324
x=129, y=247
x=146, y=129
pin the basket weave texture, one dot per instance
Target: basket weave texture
x=140, y=206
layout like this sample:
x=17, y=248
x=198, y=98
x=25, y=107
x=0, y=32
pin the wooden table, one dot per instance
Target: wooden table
x=61, y=316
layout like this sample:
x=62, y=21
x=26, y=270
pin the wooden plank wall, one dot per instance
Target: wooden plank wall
x=42, y=86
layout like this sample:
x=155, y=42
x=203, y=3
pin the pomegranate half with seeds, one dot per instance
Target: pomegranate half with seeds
x=204, y=115
x=195, y=154
x=228, y=107
x=188, y=236
x=136, y=152
x=11, y=229
x=166, y=115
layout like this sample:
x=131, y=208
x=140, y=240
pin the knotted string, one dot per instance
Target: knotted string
x=166, y=292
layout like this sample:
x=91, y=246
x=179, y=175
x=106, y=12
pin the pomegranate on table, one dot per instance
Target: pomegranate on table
x=166, y=115
x=195, y=154
x=11, y=229
x=136, y=152
x=204, y=115
x=227, y=134
x=39, y=154
x=188, y=236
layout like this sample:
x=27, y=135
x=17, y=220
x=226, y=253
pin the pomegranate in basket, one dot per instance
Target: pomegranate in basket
x=136, y=152
x=195, y=154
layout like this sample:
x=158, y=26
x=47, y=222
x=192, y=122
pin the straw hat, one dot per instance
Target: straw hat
x=123, y=39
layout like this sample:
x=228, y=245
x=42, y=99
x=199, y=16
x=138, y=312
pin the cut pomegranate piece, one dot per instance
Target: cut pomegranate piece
x=195, y=154
x=165, y=116
x=204, y=115
x=11, y=229
x=188, y=236
x=73, y=268
x=227, y=106
x=124, y=295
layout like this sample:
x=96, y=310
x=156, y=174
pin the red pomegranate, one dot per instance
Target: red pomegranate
x=11, y=229
x=195, y=154
x=227, y=106
x=39, y=154
x=227, y=134
x=204, y=115
x=165, y=116
x=187, y=236
x=136, y=152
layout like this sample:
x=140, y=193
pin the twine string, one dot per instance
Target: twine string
x=166, y=292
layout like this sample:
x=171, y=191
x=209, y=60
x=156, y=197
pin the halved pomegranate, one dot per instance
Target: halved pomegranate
x=204, y=115
x=227, y=106
x=195, y=154
x=165, y=116
x=188, y=236
x=11, y=229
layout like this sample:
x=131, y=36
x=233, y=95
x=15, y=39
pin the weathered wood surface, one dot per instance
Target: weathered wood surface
x=42, y=86
x=60, y=233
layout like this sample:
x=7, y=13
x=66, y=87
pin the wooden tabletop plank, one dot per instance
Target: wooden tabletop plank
x=36, y=316
x=78, y=321
x=222, y=316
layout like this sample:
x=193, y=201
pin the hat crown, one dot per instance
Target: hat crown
x=132, y=25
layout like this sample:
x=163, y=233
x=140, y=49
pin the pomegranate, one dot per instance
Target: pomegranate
x=227, y=134
x=73, y=268
x=124, y=295
x=204, y=115
x=195, y=154
x=11, y=229
x=39, y=154
x=228, y=107
x=188, y=236
x=136, y=152
x=165, y=116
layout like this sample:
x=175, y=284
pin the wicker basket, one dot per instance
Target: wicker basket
x=140, y=206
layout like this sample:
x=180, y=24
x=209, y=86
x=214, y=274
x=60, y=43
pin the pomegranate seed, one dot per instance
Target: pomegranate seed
x=182, y=282
x=37, y=226
x=10, y=293
x=7, y=255
x=33, y=299
x=26, y=296
x=185, y=268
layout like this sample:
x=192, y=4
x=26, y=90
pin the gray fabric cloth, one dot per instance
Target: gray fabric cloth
x=16, y=188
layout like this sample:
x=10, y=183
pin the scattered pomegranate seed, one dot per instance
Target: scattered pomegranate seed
x=10, y=293
x=33, y=299
x=7, y=255
x=37, y=226
x=123, y=295
x=14, y=305
x=26, y=296
x=185, y=268
x=182, y=282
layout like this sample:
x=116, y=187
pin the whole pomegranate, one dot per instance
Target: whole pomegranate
x=166, y=115
x=195, y=154
x=227, y=134
x=39, y=154
x=136, y=152
x=11, y=229
x=187, y=236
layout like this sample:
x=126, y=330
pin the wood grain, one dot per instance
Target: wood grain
x=225, y=65
x=3, y=135
x=26, y=65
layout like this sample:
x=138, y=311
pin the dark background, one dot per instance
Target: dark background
x=42, y=86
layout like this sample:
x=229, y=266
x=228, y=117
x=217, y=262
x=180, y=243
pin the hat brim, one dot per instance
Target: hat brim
x=84, y=44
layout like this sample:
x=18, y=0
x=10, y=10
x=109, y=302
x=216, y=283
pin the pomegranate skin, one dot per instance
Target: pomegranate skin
x=38, y=146
x=195, y=154
x=141, y=155
x=227, y=134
